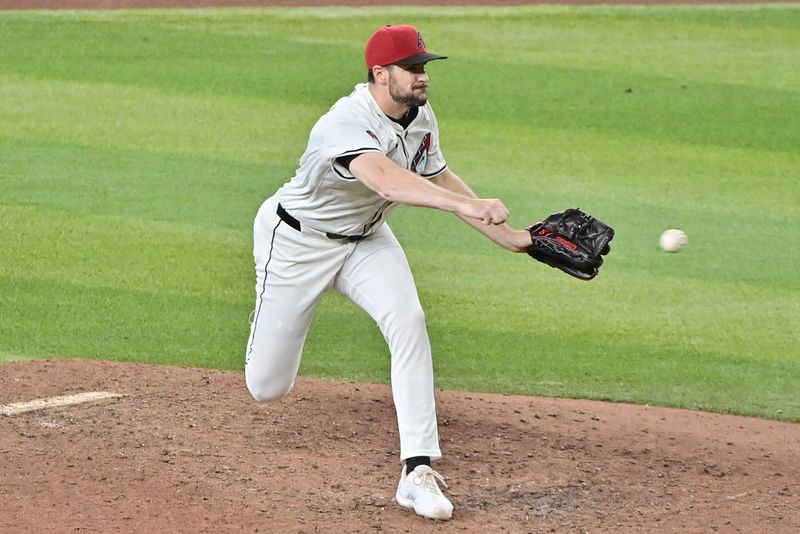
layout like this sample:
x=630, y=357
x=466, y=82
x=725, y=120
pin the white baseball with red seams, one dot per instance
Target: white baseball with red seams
x=673, y=240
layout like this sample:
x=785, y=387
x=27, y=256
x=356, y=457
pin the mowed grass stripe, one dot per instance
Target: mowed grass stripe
x=605, y=168
x=657, y=309
x=694, y=43
x=129, y=254
x=173, y=59
x=715, y=254
x=50, y=318
x=655, y=108
x=136, y=184
x=667, y=376
x=120, y=116
x=480, y=355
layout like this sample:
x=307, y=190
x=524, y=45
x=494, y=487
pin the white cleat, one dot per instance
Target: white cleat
x=420, y=491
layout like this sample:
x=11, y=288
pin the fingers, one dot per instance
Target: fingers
x=486, y=210
x=494, y=212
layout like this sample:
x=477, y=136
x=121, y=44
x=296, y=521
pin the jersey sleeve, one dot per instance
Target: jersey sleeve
x=347, y=139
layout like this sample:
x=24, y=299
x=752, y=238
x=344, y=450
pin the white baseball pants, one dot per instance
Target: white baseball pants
x=293, y=269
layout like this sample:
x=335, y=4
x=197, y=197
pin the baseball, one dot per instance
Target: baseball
x=673, y=240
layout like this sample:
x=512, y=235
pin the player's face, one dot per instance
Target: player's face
x=408, y=85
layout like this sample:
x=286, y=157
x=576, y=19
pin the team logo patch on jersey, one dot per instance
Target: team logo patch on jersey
x=421, y=156
x=372, y=135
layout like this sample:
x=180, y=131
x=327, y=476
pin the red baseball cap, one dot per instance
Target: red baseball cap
x=397, y=45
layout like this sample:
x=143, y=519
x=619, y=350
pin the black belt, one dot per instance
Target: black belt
x=294, y=223
x=288, y=219
x=349, y=238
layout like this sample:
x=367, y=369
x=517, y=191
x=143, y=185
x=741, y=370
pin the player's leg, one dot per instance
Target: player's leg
x=291, y=275
x=378, y=279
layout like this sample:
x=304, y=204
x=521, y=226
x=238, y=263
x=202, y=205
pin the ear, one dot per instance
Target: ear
x=380, y=73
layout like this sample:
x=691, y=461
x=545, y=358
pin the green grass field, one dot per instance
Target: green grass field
x=136, y=146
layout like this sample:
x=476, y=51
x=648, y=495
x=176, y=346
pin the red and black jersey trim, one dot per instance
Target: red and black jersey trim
x=440, y=171
x=422, y=151
x=344, y=160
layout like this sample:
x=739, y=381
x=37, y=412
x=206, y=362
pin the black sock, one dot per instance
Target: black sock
x=414, y=461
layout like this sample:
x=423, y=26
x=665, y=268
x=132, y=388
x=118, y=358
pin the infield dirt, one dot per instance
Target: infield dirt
x=188, y=450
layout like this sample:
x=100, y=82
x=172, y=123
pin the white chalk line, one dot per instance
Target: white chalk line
x=51, y=402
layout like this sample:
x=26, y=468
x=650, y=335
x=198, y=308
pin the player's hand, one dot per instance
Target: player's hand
x=488, y=210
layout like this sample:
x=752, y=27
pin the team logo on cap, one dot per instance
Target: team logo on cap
x=420, y=41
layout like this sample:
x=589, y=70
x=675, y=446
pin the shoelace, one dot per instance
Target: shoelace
x=428, y=480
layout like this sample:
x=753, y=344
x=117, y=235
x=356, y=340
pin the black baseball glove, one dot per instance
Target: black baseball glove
x=571, y=241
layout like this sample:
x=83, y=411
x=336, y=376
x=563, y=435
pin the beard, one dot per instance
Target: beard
x=408, y=99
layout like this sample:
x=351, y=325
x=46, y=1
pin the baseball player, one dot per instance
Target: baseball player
x=326, y=228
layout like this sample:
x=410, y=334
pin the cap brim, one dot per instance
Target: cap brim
x=419, y=58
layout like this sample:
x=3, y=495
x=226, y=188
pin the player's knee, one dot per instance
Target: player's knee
x=266, y=389
x=410, y=316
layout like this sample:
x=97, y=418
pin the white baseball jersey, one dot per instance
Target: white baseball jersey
x=326, y=196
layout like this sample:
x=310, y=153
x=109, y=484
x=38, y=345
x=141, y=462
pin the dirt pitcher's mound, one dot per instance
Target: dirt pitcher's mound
x=188, y=450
